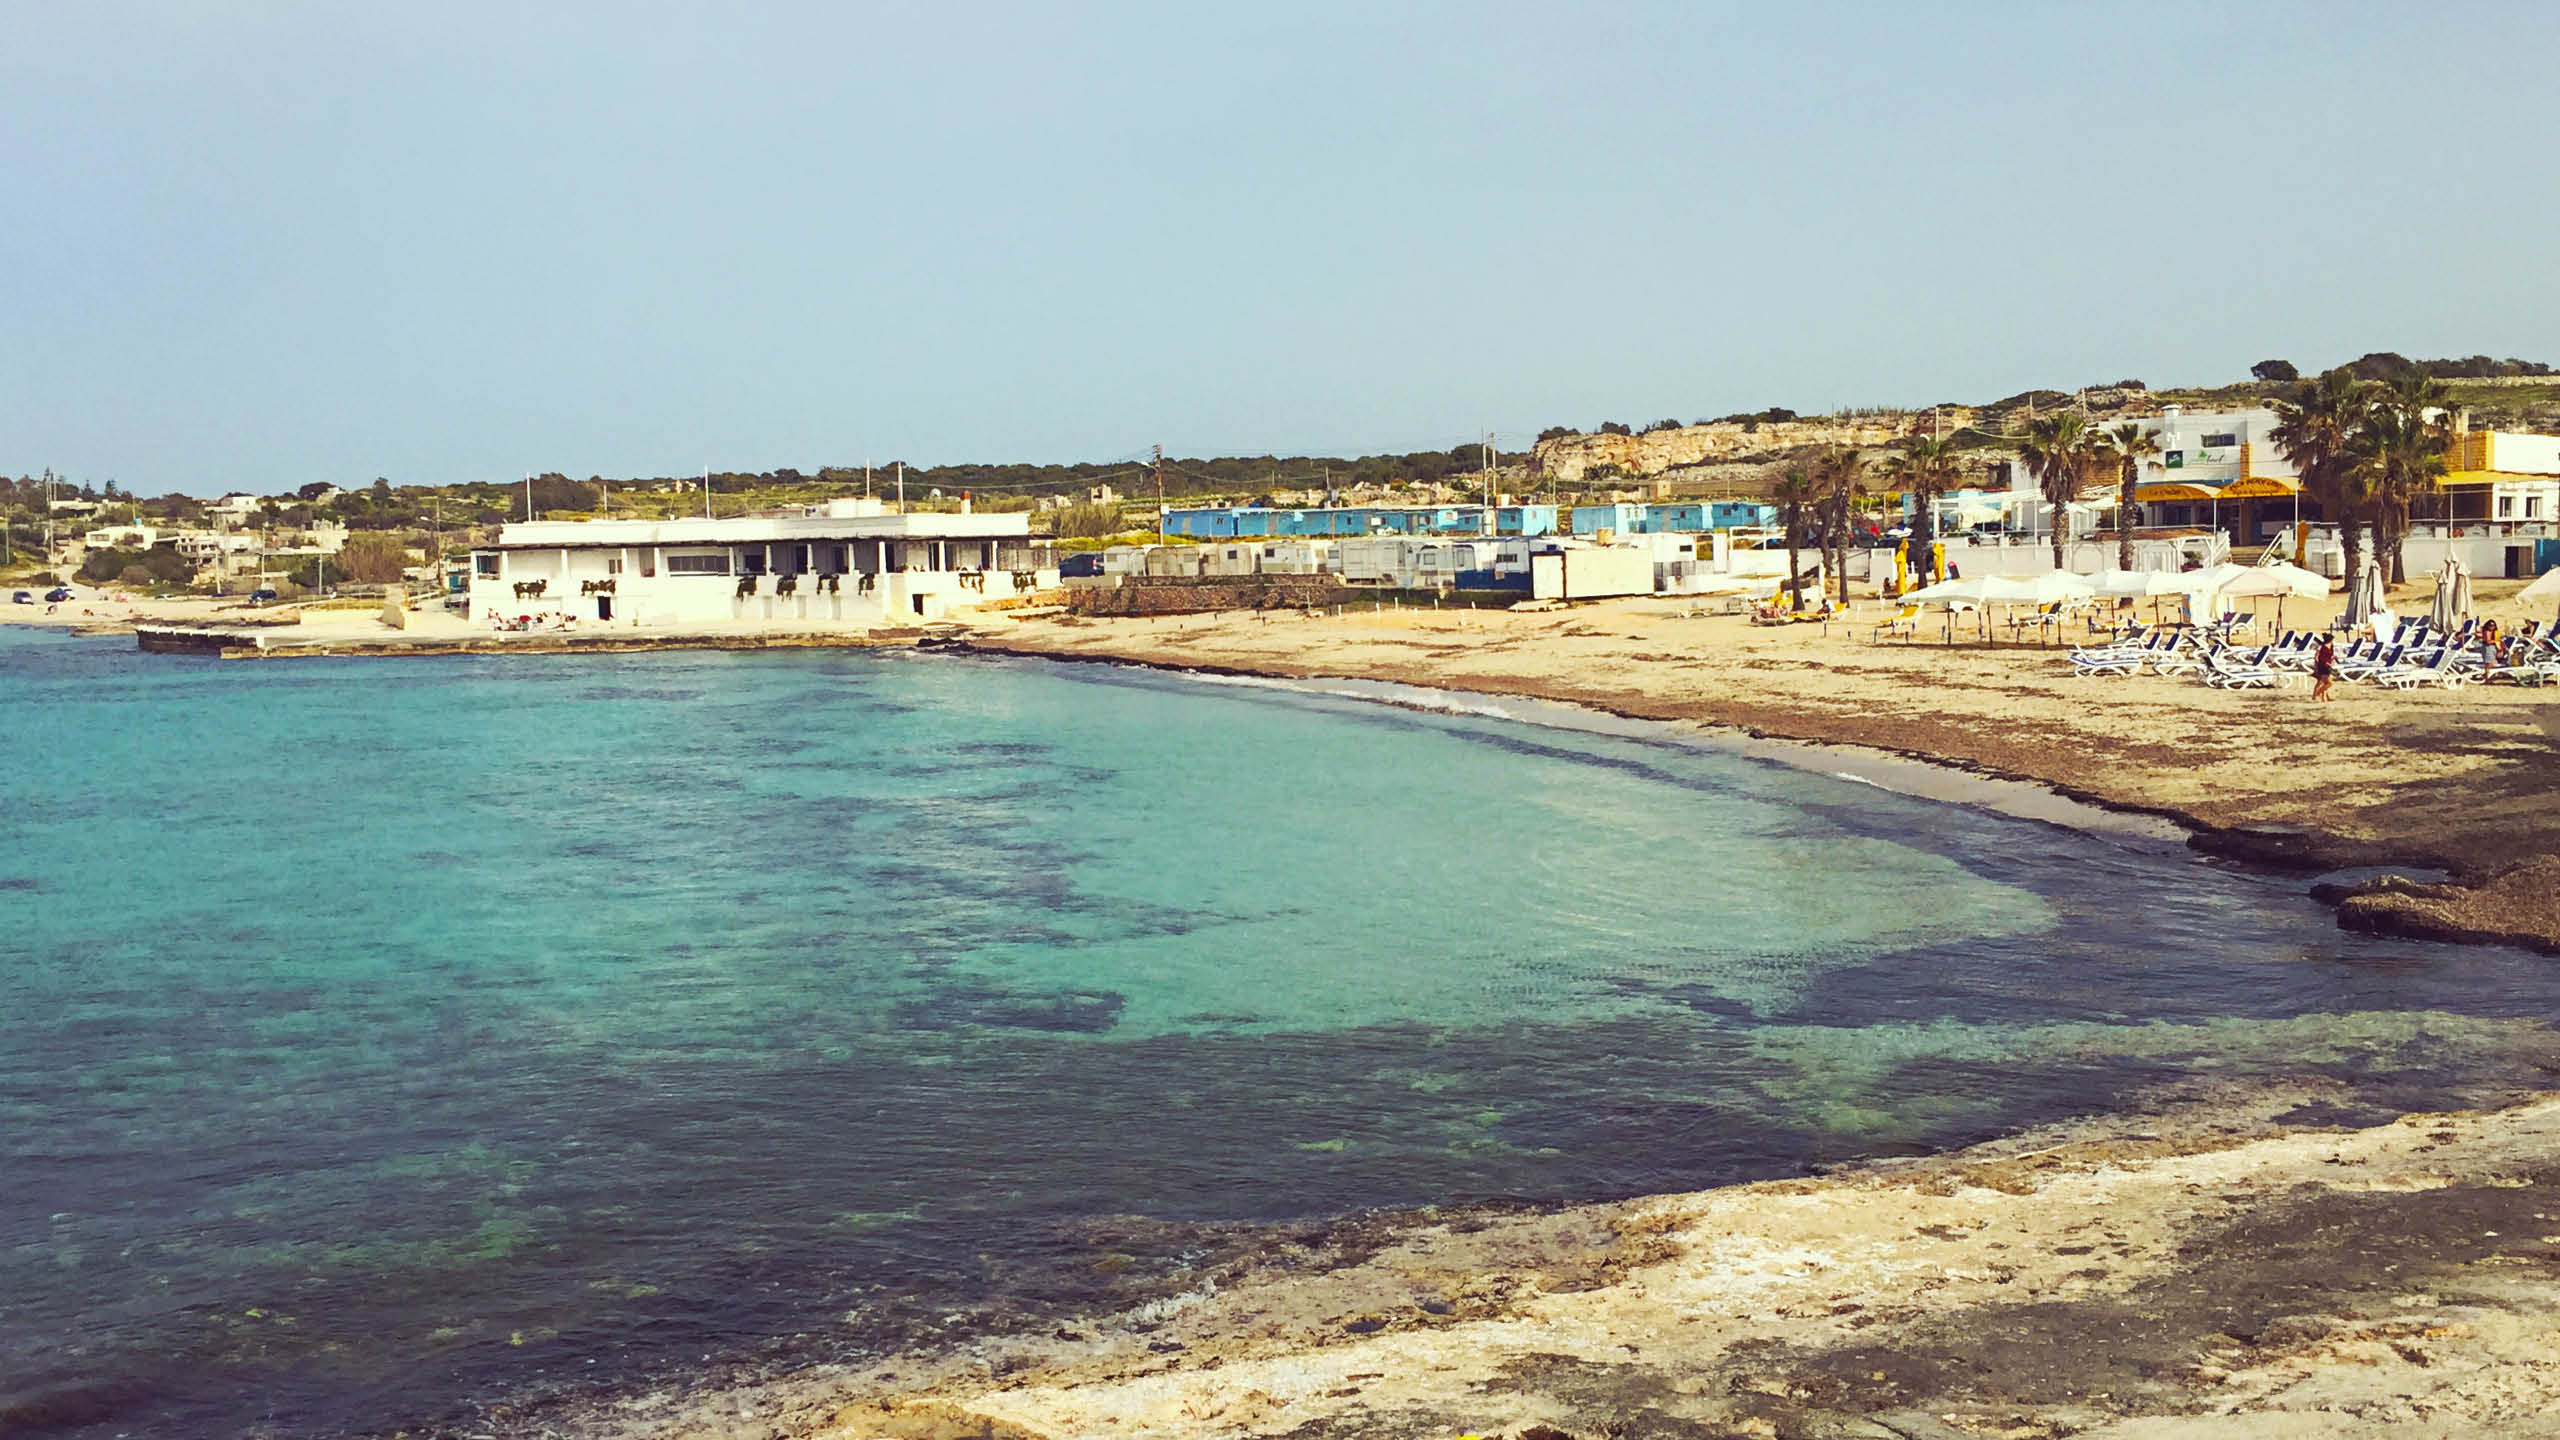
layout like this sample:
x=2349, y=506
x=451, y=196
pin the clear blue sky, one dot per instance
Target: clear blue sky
x=257, y=244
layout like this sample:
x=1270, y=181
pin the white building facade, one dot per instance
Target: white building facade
x=846, y=562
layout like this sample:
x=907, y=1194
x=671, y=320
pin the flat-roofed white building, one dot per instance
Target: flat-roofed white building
x=2500, y=476
x=846, y=562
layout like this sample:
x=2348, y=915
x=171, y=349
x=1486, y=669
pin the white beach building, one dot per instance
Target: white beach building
x=845, y=561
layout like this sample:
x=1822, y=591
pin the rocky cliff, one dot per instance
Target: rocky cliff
x=1570, y=459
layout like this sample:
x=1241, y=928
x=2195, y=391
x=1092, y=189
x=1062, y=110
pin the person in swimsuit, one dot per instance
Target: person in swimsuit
x=2324, y=668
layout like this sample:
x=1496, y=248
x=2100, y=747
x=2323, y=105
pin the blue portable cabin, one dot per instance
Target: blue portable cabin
x=1248, y=522
x=1204, y=523
x=1622, y=518
x=1672, y=517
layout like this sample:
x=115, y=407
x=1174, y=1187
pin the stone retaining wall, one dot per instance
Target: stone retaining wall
x=1185, y=595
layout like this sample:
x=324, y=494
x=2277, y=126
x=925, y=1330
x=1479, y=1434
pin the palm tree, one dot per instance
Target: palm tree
x=1927, y=469
x=2316, y=429
x=2396, y=453
x=2417, y=413
x=1793, y=492
x=2129, y=444
x=2061, y=452
x=1842, y=474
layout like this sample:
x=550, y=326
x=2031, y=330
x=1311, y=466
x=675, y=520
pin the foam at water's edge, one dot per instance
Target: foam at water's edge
x=1903, y=775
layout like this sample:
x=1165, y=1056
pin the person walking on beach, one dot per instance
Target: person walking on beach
x=2324, y=669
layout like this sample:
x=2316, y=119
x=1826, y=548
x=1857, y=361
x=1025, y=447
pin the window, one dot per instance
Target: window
x=2223, y=441
x=613, y=565
x=2533, y=507
x=485, y=565
x=2506, y=507
x=716, y=563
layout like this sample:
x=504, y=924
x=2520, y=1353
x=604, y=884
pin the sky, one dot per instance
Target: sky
x=253, y=245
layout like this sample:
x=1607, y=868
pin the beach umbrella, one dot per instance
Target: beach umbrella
x=2281, y=580
x=2135, y=584
x=2042, y=589
x=2546, y=587
x=2212, y=580
x=2365, y=598
x=1950, y=593
x=2453, y=592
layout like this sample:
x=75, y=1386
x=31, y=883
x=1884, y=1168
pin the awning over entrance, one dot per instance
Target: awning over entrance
x=2262, y=487
x=2171, y=490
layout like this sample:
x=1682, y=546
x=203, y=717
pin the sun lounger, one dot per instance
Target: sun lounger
x=2518, y=669
x=2183, y=655
x=2295, y=651
x=2438, y=669
x=2368, y=666
x=2124, y=649
x=2227, y=669
x=1906, y=622
x=2086, y=663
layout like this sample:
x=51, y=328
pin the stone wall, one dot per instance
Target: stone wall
x=1182, y=595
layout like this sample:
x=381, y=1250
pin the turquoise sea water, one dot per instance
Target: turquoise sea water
x=381, y=1039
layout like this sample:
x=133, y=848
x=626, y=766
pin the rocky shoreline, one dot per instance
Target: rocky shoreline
x=2201, y=1272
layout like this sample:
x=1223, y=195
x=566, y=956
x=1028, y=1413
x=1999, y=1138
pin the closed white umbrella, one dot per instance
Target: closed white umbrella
x=2453, y=593
x=2365, y=599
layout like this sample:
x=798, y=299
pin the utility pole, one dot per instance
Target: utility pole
x=866, y=479
x=706, y=492
x=1159, y=472
x=528, y=497
x=902, y=486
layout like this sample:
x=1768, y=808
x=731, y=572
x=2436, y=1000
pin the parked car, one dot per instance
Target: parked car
x=23, y=597
x=261, y=596
x=58, y=594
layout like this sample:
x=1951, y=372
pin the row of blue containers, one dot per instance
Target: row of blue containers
x=1253, y=522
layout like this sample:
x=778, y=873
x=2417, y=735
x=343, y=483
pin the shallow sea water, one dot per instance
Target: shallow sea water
x=380, y=1039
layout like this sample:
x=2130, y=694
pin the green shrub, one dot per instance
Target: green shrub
x=159, y=565
x=1086, y=522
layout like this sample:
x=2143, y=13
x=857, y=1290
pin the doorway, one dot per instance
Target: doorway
x=604, y=607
